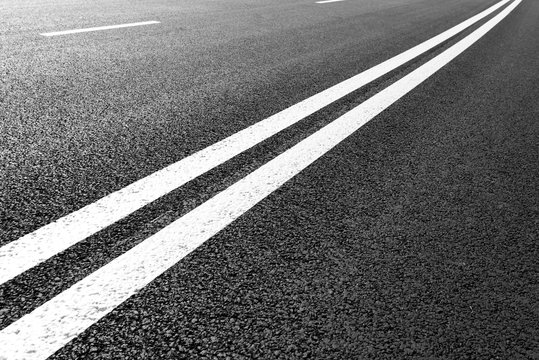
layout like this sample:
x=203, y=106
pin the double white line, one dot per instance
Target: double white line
x=49, y=327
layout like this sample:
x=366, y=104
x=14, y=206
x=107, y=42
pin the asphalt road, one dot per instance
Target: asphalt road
x=416, y=237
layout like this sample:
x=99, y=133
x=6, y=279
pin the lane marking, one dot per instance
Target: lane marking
x=99, y=28
x=327, y=1
x=28, y=251
x=49, y=327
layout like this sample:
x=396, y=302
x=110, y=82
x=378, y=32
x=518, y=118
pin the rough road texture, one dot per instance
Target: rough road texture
x=417, y=237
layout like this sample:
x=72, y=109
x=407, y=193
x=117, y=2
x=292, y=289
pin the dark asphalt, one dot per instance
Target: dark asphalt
x=415, y=238
x=89, y=114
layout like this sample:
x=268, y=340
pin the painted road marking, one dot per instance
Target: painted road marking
x=49, y=327
x=327, y=1
x=49, y=240
x=99, y=28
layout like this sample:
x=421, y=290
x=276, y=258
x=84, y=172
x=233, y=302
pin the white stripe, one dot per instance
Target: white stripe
x=54, y=324
x=327, y=1
x=36, y=247
x=99, y=28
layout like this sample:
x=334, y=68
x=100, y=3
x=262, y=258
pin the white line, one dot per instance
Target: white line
x=47, y=241
x=52, y=325
x=327, y=1
x=99, y=28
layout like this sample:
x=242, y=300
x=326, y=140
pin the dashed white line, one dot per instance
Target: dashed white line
x=328, y=1
x=48, y=328
x=47, y=241
x=99, y=28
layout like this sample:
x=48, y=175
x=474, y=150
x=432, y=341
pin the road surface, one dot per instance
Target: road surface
x=393, y=215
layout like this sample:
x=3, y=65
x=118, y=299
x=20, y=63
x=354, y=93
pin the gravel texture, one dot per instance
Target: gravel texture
x=416, y=238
